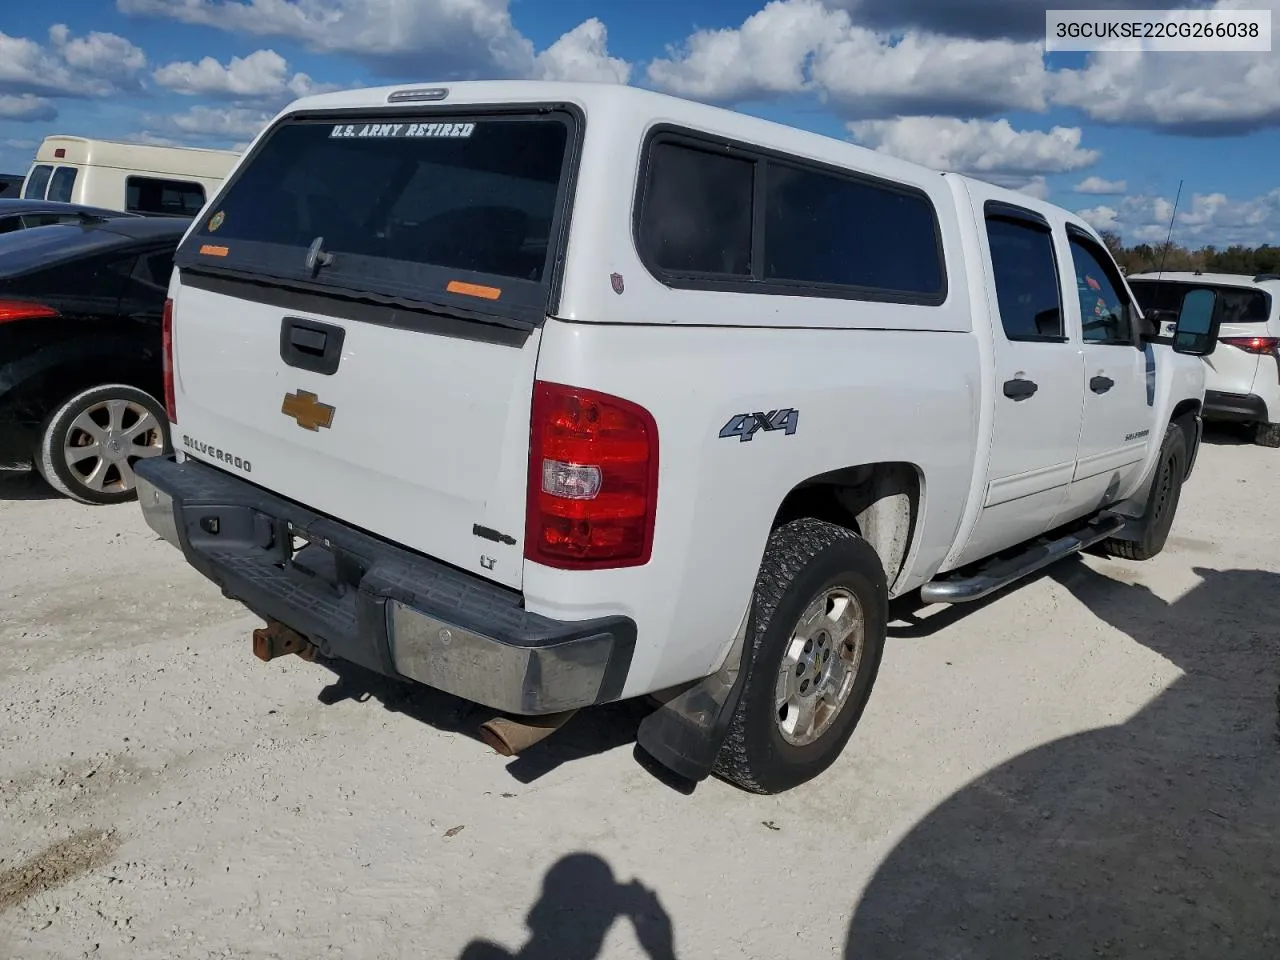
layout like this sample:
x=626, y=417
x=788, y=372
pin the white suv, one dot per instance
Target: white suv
x=1242, y=378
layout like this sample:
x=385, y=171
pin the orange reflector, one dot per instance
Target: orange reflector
x=474, y=290
x=60, y=152
x=213, y=250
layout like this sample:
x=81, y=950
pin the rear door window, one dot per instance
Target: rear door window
x=61, y=184
x=37, y=182
x=424, y=210
x=1025, y=271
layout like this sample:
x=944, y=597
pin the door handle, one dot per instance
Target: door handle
x=1101, y=384
x=1019, y=389
x=311, y=345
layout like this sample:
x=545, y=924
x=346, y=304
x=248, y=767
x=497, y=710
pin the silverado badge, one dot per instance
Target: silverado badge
x=306, y=408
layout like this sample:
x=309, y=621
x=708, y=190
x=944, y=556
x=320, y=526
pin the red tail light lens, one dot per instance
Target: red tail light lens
x=593, y=480
x=24, y=310
x=170, y=406
x=1253, y=344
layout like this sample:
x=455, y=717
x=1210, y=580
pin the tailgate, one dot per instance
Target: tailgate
x=357, y=319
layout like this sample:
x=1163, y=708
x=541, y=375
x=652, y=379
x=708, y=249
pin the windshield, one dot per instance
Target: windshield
x=403, y=207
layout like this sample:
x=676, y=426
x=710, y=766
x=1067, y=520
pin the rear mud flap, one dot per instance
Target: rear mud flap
x=686, y=732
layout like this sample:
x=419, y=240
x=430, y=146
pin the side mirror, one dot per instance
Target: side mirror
x=1196, y=333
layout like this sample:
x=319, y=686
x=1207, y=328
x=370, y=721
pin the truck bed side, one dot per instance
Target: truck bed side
x=862, y=397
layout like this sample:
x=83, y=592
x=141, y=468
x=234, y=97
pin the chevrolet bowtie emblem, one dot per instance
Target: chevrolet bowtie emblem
x=306, y=408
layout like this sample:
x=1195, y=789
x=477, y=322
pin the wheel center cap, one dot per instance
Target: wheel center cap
x=113, y=443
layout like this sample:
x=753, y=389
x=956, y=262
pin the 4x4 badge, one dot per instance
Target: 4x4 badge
x=306, y=408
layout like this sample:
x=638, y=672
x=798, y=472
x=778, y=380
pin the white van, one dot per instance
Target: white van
x=138, y=178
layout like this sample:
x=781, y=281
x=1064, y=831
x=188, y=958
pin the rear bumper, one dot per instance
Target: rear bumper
x=1234, y=406
x=365, y=600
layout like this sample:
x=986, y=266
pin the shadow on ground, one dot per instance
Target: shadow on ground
x=590, y=732
x=1225, y=433
x=1155, y=838
x=581, y=900
x=24, y=485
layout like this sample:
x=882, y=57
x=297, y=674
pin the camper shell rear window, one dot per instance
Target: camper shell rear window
x=452, y=209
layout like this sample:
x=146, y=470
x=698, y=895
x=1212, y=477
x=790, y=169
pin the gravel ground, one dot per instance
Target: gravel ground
x=1086, y=766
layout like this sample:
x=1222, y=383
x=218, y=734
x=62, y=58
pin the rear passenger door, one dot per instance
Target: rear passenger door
x=1038, y=381
x=1118, y=382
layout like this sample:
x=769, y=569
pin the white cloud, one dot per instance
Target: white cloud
x=766, y=56
x=95, y=65
x=262, y=75
x=1197, y=93
x=19, y=144
x=1101, y=217
x=791, y=46
x=215, y=123
x=154, y=140
x=582, y=54
x=1036, y=187
x=1102, y=187
x=1208, y=218
x=422, y=38
x=869, y=74
x=27, y=107
x=976, y=146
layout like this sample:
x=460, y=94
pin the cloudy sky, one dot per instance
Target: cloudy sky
x=955, y=84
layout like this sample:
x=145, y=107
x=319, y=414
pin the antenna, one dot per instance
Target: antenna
x=1169, y=238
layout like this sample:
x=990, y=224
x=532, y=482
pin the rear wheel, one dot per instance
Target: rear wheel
x=1162, y=502
x=817, y=635
x=1267, y=435
x=90, y=442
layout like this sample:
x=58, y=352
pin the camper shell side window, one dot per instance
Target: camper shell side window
x=712, y=214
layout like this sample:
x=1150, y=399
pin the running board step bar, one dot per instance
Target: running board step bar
x=1001, y=573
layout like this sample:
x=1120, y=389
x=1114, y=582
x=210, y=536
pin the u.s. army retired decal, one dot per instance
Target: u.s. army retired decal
x=366, y=130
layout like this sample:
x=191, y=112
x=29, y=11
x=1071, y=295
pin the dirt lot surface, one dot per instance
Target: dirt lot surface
x=1085, y=767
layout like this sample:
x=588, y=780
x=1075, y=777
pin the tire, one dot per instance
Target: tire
x=1162, y=503
x=807, y=564
x=122, y=423
x=1267, y=435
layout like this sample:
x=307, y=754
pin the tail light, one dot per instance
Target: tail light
x=593, y=480
x=166, y=326
x=1262, y=345
x=24, y=310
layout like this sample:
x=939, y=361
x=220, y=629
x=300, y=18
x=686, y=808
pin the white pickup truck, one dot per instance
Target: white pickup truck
x=551, y=395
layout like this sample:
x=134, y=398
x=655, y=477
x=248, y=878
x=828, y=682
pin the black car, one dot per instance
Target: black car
x=11, y=184
x=81, y=362
x=17, y=214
